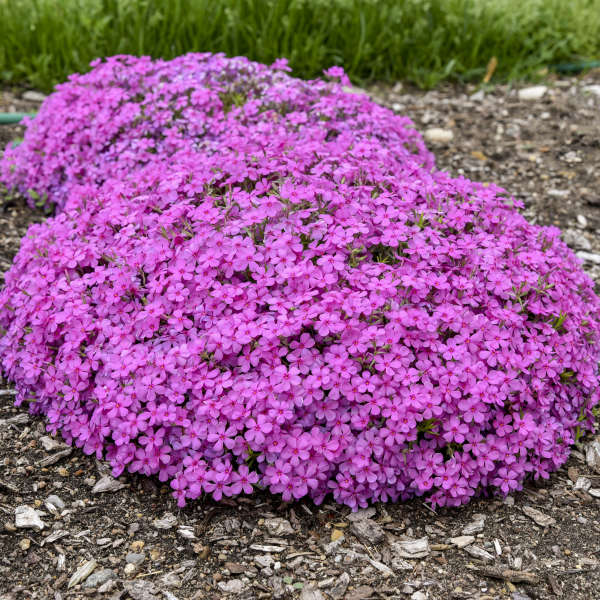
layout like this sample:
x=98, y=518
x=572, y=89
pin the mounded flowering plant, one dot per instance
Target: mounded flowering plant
x=296, y=305
x=127, y=110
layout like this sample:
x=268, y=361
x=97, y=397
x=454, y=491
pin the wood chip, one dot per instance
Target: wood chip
x=509, y=575
x=539, y=517
x=54, y=458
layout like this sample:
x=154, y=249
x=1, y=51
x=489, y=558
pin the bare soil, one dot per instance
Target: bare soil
x=545, y=152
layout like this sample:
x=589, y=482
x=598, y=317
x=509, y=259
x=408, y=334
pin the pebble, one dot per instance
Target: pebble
x=233, y=586
x=475, y=526
x=368, y=531
x=186, y=532
x=592, y=258
x=582, y=483
x=82, y=573
x=574, y=239
x=478, y=96
x=592, y=452
x=582, y=221
x=107, y=484
x=167, y=521
x=27, y=517
x=311, y=592
x=53, y=501
x=534, y=92
x=438, y=135
x=134, y=558
x=462, y=540
x=171, y=580
x=411, y=548
x=99, y=578
x=592, y=89
x=418, y=595
x=25, y=544
x=278, y=527
x=141, y=590
x=50, y=443
x=363, y=513
x=539, y=517
x=33, y=96
x=129, y=569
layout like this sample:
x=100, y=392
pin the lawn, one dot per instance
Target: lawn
x=422, y=41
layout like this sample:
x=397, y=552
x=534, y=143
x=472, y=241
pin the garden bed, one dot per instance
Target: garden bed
x=546, y=152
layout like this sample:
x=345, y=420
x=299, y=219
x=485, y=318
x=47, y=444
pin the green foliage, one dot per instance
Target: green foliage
x=423, y=41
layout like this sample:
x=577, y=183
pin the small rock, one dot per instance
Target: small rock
x=592, y=453
x=278, y=527
x=264, y=560
x=418, y=595
x=539, y=517
x=340, y=586
x=186, y=532
x=50, y=443
x=592, y=258
x=475, y=526
x=582, y=483
x=411, y=548
x=171, y=580
x=134, y=558
x=534, y=92
x=109, y=586
x=311, y=592
x=363, y=513
x=368, y=531
x=28, y=518
x=478, y=96
x=582, y=221
x=141, y=590
x=167, y=521
x=574, y=239
x=594, y=492
x=107, y=484
x=336, y=534
x=462, y=540
x=233, y=586
x=267, y=548
x=54, y=504
x=438, y=135
x=82, y=573
x=477, y=552
x=33, y=96
x=360, y=593
x=592, y=89
x=99, y=578
x=25, y=544
x=129, y=569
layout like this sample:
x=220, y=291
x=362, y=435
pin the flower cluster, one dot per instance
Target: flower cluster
x=127, y=111
x=284, y=294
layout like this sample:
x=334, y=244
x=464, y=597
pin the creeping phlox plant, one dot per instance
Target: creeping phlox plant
x=288, y=302
x=128, y=110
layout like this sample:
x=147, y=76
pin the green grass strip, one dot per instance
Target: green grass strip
x=423, y=41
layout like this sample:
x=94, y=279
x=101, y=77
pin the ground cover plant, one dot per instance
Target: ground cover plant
x=290, y=297
x=386, y=40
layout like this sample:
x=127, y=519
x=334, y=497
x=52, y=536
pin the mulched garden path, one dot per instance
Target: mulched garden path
x=541, y=543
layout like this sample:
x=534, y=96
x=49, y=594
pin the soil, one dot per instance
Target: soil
x=545, y=152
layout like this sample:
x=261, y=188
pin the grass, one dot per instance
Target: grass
x=423, y=41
